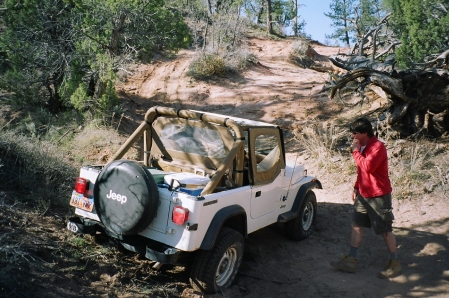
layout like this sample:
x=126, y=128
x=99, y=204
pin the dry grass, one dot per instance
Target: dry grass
x=325, y=148
x=218, y=64
x=40, y=158
x=301, y=54
x=207, y=65
x=301, y=47
x=416, y=168
x=37, y=169
x=322, y=142
x=419, y=167
x=96, y=144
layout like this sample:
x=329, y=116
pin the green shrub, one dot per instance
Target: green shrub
x=207, y=65
x=79, y=98
x=109, y=99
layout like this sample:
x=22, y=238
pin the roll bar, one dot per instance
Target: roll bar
x=237, y=150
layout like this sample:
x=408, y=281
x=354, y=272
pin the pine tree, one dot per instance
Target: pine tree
x=368, y=14
x=342, y=16
x=283, y=14
x=269, y=17
x=422, y=26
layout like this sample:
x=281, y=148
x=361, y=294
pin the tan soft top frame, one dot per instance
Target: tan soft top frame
x=236, y=152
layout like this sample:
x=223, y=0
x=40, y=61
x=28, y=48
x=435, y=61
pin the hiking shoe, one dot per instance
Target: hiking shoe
x=392, y=269
x=346, y=264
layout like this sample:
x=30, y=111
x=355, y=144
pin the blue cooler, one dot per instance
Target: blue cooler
x=191, y=184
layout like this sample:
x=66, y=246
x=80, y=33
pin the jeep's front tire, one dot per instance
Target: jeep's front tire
x=302, y=226
x=215, y=269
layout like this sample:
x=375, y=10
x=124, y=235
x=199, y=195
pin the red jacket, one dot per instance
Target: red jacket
x=372, y=169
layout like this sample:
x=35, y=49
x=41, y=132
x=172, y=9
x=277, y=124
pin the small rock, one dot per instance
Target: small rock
x=428, y=187
x=335, y=158
x=397, y=151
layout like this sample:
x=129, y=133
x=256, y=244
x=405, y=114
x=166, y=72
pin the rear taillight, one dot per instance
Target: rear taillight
x=180, y=215
x=81, y=185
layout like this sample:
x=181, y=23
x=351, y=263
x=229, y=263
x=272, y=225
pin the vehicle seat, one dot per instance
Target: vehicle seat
x=269, y=161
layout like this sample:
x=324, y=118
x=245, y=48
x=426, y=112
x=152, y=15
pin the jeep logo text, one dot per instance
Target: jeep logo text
x=116, y=196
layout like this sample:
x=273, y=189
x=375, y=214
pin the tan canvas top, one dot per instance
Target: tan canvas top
x=194, y=141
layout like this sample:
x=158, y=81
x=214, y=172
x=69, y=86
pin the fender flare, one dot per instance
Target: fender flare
x=217, y=223
x=294, y=212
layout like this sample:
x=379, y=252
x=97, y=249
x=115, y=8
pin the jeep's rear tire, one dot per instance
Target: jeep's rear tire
x=215, y=269
x=126, y=197
x=302, y=226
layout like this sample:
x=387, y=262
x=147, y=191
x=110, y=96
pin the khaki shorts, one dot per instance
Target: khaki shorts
x=374, y=212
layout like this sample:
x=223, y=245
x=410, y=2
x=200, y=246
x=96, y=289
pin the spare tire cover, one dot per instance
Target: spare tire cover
x=125, y=197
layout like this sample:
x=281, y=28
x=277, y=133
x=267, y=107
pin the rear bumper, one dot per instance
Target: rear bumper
x=81, y=225
x=151, y=249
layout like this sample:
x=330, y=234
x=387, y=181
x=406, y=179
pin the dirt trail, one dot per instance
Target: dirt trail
x=271, y=90
x=274, y=90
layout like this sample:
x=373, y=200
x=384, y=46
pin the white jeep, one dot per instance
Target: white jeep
x=206, y=181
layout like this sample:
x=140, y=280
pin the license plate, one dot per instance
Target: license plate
x=80, y=201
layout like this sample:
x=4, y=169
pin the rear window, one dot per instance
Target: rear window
x=191, y=139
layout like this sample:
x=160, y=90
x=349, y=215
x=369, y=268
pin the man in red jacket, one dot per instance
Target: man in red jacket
x=371, y=197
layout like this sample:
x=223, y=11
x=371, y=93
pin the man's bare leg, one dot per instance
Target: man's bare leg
x=390, y=241
x=356, y=236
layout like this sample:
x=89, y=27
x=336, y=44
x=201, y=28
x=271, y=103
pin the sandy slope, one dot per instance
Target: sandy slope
x=272, y=90
x=277, y=91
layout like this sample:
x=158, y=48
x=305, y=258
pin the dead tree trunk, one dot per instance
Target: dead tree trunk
x=418, y=99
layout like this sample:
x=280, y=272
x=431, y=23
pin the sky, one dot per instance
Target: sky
x=317, y=24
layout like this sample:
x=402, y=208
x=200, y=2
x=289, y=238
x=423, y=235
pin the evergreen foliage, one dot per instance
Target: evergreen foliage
x=67, y=53
x=284, y=14
x=342, y=16
x=369, y=13
x=422, y=27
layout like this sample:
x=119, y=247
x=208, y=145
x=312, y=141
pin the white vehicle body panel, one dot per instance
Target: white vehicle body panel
x=258, y=215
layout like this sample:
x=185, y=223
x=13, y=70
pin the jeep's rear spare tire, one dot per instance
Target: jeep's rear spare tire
x=125, y=197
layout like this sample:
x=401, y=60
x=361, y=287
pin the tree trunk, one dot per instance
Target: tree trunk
x=269, y=22
x=209, y=6
x=418, y=100
x=54, y=100
x=296, y=18
x=116, y=34
x=347, y=34
x=259, y=16
x=346, y=13
x=100, y=89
